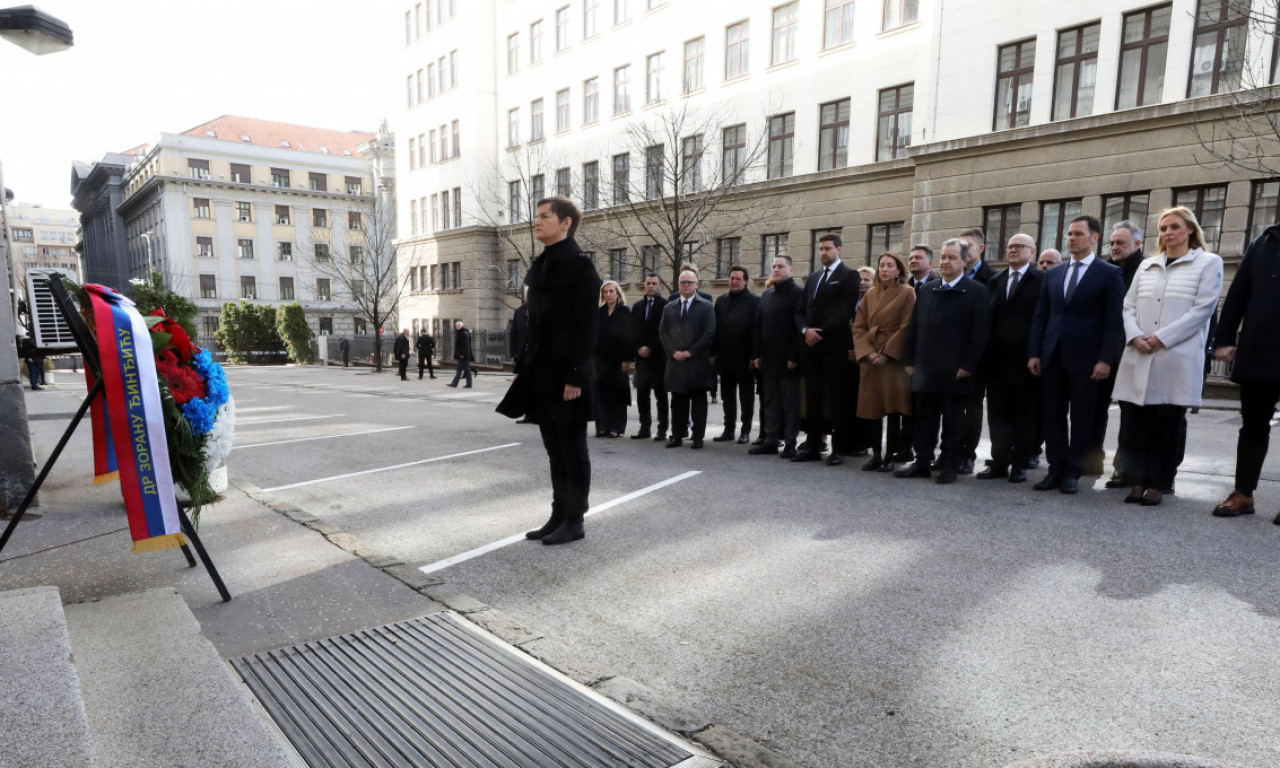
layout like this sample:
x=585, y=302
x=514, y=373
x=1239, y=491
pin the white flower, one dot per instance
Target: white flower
x=217, y=444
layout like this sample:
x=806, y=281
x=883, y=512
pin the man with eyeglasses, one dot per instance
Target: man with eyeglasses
x=687, y=331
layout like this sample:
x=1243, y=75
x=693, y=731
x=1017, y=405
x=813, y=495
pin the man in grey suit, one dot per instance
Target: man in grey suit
x=687, y=331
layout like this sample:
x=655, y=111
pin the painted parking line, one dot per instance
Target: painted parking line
x=320, y=437
x=388, y=469
x=278, y=421
x=260, y=408
x=478, y=551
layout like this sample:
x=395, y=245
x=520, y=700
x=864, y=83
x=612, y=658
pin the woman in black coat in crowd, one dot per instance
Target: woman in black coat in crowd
x=614, y=352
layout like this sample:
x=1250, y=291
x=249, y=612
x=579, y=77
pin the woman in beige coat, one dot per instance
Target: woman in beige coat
x=879, y=329
x=1166, y=321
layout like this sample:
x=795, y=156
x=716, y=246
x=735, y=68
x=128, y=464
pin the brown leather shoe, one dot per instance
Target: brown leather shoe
x=1236, y=504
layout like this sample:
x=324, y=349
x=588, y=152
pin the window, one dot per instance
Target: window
x=786, y=24
x=1055, y=216
x=321, y=251
x=771, y=247
x=357, y=289
x=689, y=250
x=279, y=177
x=535, y=120
x=24, y=235
x=591, y=185
x=1076, y=72
x=515, y=207
x=354, y=220
x=621, y=90
x=1014, y=78
x=284, y=251
x=431, y=81
x=653, y=170
x=244, y=248
x=444, y=209
x=814, y=234
x=735, y=51
x=735, y=153
x=1144, y=46
x=240, y=174
x=691, y=164
x=562, y=29
x=782, y=134
x=1264, y=206
x=1001, y=222
x=1208, y=204
x=694, y=56
x=620, y=12
x=201, y=206
x=653, y=78
x=204, y=247
x=883, y=237
x=209, y=326
x=893, y=131
x=356, y=255
x=360, y=326
x=282, y=215
x=514, y=279
x=513, y=128
x=618, y=264
x=454, y=133
x=728, y=251
x=833, y=135
x=244, y=212
x=537, y=188
x=650, y=258
x=432, y=141
x=413, y=154
x=1131, y=206
x=248, y=287
x=899, y=12
x=353, y=184
x=408, y=28
x=453, y=69
x=208, y=286
x=535, y=42
x=513, y=54
x=562, y=110
x=621, y=178
x=286, y=288
x=198, y=169
x=326, y=326
x=562, y=182
x=318, y=182
x=457, y=275
x=838, y=24
x=1218, y=50
x=591, y=101
x=589, y=8
x=319, y=217
x=435, y=213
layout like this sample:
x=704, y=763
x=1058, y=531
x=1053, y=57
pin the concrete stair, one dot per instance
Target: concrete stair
x=125, y=681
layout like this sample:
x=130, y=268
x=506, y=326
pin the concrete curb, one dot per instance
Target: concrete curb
x=1120, y=759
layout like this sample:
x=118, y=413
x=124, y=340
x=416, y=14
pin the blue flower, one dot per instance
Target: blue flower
x=202, y=411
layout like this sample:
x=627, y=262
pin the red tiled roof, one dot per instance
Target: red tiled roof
x=266, y=133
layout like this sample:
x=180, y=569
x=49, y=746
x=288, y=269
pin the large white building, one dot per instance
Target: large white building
x=43, y=238
x=890, y=121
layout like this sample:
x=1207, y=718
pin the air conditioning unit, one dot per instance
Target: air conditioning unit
x=282, y=220
x=243, y=218
x=51, y=330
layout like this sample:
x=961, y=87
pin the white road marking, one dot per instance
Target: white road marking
x=487, y=548
x=264, y=408
x=295, y=418
x=388, y=469
x=321, y=437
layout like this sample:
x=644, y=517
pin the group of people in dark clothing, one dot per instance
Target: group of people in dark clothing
x=425, y=346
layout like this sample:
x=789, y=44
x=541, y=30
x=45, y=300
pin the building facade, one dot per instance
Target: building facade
x=45, y=238
x=96, y=193
x=891, y=122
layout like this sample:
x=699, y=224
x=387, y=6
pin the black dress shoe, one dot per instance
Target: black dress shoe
x=886, y=466
x=1049, y=482
x=662, y=435
x=1033, y=462
x=641, y=435
x=1017, y=475
x=835, y=459
x=966, y=467
x=758, y=441
x=564, y=534
x=723, y=437
x=744, y=438
x=808, y=456
x=994, y=472
x=872, y=465
x=936, y=465
x=945, y=477
x=915, y=469
x=1070, y=485
x=1115, y=481
x=1135, y=495
x=697, y=443
x=455, y=386
x=675, y=442
x=904, y=457
x=1151, y=498
x=788, y=452
x=547, y=529
x=763, y=449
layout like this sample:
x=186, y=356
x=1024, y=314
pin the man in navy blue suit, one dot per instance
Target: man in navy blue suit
x=1077, y=336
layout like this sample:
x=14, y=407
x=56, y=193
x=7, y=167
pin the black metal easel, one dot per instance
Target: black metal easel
x=84, y=340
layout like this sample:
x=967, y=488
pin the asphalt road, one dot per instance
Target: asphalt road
x=842, y=618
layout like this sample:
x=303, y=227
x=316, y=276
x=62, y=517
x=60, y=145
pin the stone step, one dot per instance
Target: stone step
x=156, y=692
x=43, y=714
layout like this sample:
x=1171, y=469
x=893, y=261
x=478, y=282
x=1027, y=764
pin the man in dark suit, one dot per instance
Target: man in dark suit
x=975, y=268
x=920, y=265
x=462, y=354
x=1014, y=392
x=401, y=352
x=651, y=359
x=1076, y=339
x=945, y=341
x=344, y=346
x=687, y=331
x=564, y=292
x=426, y=347
x=731, y=354
x=822, y=317
x=775, y=354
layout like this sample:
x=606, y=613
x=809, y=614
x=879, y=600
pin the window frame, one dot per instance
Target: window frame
x=773, y=245
x=695, y=58
x=733, y=155
x=653, y=78
x=1144, y=45
x=591, y=185
x=1127, y=208
x=621, y=178
x=737, y=53
x=1059, y=241
x=891, y=120
x=787, y=32
x=622, y=90
x=843, y=10
x=999, y=234
x=835, y=160
x=1020, y=75
x=899, y=18
x=591, y=100
x=1197, y=206
x=782, y=145
x=1078, y=63
x=1253, y=223
x=654, y=171
x=1220, y=28
x=877, y=245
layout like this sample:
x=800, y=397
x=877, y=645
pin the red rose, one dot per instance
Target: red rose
x=184, y=383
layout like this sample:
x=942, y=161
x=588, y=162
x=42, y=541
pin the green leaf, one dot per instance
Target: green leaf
x=160, y=340
x=153, y=320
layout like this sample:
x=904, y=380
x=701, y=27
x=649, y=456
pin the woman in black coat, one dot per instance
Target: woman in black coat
x=614, y=351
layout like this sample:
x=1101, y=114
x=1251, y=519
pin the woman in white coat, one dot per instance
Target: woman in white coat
x=1166, y=323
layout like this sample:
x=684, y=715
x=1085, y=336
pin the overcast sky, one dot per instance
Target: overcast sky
x=142, y=67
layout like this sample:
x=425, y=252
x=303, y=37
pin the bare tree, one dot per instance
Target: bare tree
x=688, y=189
x=1247, y=135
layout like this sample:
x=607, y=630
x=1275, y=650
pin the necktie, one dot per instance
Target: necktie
x=1074, y=281
x=684, y=307
x=822, y=280
x=1013, y=284
x=647, y=303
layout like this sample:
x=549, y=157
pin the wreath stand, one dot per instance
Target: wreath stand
x=84, y=340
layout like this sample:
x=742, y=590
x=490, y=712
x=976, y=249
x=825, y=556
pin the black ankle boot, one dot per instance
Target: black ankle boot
x=567, y=532
x=547, y=528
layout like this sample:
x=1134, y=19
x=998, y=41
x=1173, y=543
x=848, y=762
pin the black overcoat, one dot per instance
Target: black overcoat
x=613, y=348
x=693, y=333
x=1250, y=319
x=735, y=317
x=1006, y=357
x=948, y=332
x=775, y=339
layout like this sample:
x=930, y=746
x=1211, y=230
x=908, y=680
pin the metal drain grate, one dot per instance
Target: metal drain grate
x=434, y=691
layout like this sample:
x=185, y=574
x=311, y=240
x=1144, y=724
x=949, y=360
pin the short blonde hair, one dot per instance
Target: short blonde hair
x=1196, y=240
x=869, y=271
x=622, y=298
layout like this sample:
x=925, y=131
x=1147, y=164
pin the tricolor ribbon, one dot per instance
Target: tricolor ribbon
x=128, y=423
